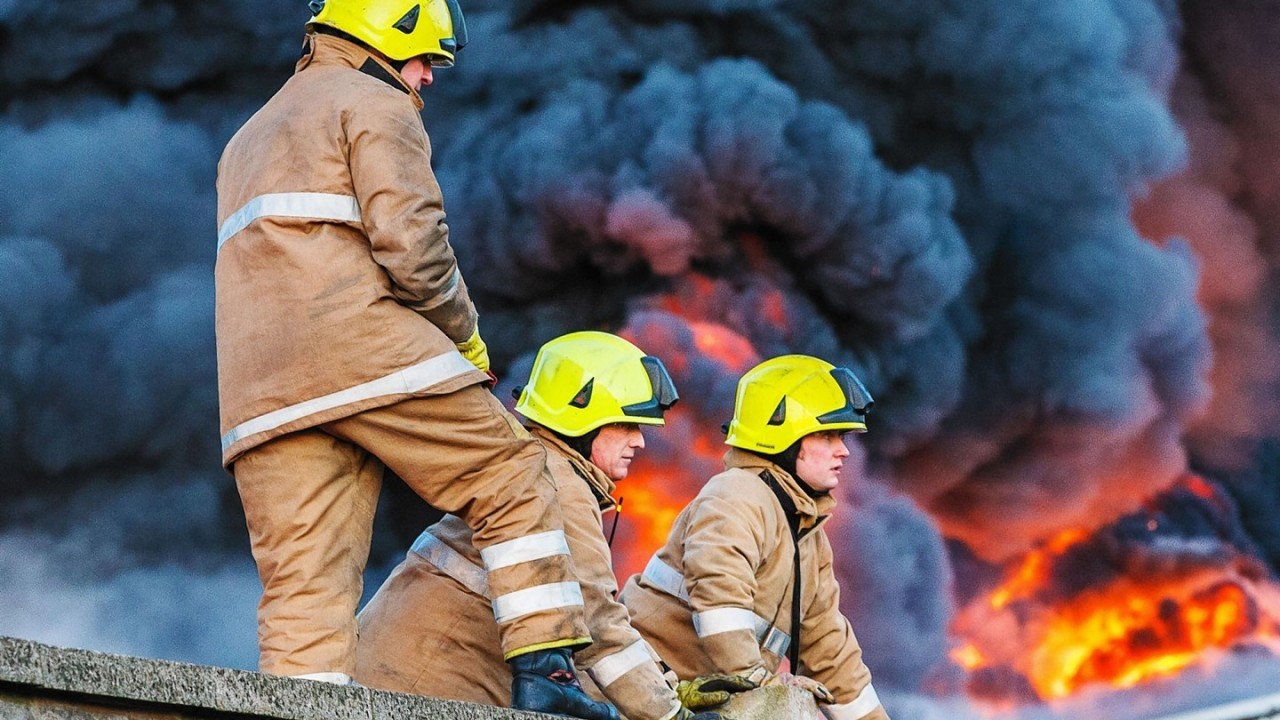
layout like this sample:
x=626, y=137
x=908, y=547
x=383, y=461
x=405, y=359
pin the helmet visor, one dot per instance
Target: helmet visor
x=457, y=41
x=664, y=390
x=857, y=401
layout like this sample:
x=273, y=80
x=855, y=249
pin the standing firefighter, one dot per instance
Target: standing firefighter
x=347, y=342
x=746, y=578
x=426, y=631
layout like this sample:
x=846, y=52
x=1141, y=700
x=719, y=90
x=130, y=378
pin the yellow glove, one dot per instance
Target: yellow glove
x=475, y=351
x=820, y=691
x=709, y=691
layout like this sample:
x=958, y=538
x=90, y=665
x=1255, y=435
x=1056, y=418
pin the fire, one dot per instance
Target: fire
x=1122, y=632
x=663, y=479
x=654, y=513
x=722, y=344
x=680, y=457
x=1032, y=572
x=1125, y=635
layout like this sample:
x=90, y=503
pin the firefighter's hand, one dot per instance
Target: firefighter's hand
x=820, y=691
x=475, y=351
x=711, y=690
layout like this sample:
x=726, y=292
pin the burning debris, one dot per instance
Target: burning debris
x=1138, y=600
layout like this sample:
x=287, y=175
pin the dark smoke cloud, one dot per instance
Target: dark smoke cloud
x=935, y=194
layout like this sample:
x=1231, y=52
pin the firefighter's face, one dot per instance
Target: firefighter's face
x=821, y=456
x=615, y=447
x=416, y=73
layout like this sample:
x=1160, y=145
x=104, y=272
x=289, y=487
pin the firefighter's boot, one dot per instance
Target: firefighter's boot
x=544, y=681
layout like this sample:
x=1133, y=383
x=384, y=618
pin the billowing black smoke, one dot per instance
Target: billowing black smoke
x=939, y=195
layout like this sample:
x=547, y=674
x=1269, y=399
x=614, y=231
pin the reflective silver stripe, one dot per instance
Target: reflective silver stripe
x=409, y=380
x=524, y=549
x=320, y=206
x=451, y=563
x=666, y=578
x=775, y=641
x=866, y=701
x=609, y=669
x=721, y=620
x=536, y=599
x=669, y=580
x=445, y=295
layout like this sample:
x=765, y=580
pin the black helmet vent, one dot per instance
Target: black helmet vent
x=407, y=23
x=583, y=398
x=780, y=414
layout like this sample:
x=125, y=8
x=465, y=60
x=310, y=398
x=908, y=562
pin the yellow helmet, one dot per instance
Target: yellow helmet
x=399, y=29
x=584, y=380
x=785, y=398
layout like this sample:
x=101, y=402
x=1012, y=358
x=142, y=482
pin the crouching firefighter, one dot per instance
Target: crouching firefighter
x=428, y=630
x=745, y=578
x=348, y=343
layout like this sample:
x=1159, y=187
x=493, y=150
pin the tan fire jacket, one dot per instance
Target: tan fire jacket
x=337, y=290
x=423, y=608
x=717, y=597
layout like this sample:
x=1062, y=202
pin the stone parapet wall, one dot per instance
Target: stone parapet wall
x=41, y=682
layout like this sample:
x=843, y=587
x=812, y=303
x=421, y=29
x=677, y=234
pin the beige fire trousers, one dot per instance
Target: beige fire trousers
x=309, y=500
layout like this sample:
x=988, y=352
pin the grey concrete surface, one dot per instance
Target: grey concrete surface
x=42, y=682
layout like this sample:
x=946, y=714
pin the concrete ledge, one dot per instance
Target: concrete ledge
x=41, y=682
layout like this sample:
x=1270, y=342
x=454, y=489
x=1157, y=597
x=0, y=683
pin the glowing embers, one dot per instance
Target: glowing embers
x=1142, y=599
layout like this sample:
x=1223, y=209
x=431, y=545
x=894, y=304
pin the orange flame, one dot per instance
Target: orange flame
x=1126, y=635
x=1123, y=633
x=724, y=345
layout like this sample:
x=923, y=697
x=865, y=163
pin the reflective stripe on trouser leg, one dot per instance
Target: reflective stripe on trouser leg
x=466, y=455
x=607, y=670
x=309, y=500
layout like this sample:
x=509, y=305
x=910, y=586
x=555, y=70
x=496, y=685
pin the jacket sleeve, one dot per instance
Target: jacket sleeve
x=402, y=210
x=830, y=652
x=723, y=548
x=618, y=660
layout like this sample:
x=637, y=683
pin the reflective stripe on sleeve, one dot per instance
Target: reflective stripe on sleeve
x=607, y=670
x=866, y=701
x=721, y=620
x=669, y=580
x=446, y=293
x=317, y=206
x=536, y=599
x=524, y=549
x=666, y=578
x=452, y=563
x=775, y=641
x=409, y=380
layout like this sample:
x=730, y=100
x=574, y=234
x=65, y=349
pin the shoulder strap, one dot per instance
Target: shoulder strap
x=793, y=522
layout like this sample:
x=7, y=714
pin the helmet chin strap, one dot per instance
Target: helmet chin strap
x=581, y=444
x=787, y=460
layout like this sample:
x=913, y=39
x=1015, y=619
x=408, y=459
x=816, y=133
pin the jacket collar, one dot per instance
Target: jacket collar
x=812, y=511
x=320, y=50
x=601, y=486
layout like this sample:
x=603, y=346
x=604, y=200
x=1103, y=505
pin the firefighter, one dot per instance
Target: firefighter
x=426, y=631
x=347, y=342
x=745, y=578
